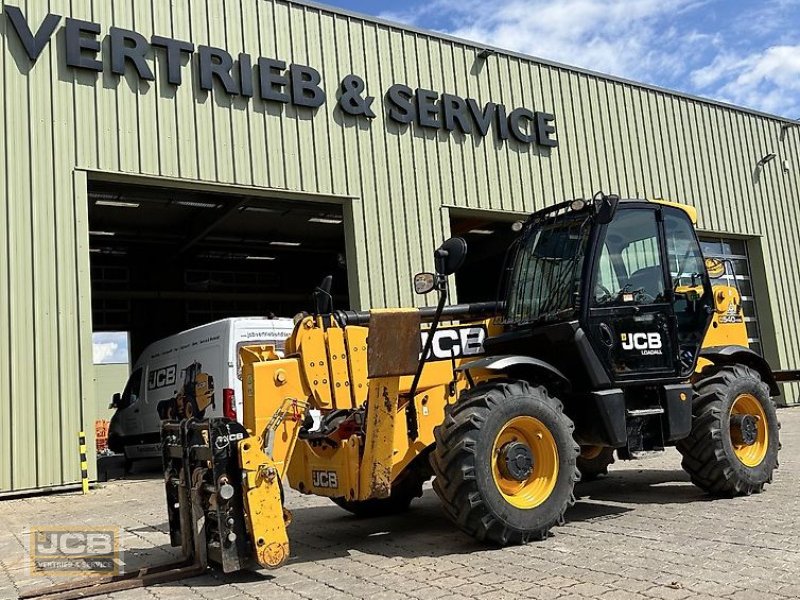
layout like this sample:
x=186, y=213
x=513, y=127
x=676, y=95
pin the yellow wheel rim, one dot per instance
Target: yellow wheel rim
x=751, y=455
x=541, y=481
x=591, y=452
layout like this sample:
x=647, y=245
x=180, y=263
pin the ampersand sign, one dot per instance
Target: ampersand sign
x=351, y=101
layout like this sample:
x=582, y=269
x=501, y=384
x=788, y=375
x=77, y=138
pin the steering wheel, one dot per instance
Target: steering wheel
x=643, y=297
x=603, y=289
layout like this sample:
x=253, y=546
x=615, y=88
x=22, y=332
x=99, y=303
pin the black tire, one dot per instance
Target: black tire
x=462, y=462
x=593, y=466
x=407, y=487
x=708, y=452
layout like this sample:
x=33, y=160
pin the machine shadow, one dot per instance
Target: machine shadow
x=642, y=486
x=322, y=533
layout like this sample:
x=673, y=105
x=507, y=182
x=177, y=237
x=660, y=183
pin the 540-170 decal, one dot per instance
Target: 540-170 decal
x=455, y=342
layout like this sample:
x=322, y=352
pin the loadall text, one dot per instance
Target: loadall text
x=272, y=80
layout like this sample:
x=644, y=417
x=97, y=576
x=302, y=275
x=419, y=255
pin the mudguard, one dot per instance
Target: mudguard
x=726, y=355
x=521, y=367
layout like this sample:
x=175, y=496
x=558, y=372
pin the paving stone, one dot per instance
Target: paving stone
x=642, y=533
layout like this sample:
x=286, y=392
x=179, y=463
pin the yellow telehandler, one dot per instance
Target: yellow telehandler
x=613, y=335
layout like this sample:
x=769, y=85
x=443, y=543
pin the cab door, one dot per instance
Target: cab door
x=629, y=309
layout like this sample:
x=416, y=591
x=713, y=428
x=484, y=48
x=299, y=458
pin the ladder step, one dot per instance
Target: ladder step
x=646, y=412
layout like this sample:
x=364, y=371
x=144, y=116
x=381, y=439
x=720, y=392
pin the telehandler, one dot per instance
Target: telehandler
x=611, y=336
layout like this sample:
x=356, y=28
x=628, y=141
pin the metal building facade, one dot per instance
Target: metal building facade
x=63, y=127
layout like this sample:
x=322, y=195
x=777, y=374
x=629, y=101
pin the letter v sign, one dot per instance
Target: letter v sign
x=34, y=44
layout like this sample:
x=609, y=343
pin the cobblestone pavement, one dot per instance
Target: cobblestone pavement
x=643, y=532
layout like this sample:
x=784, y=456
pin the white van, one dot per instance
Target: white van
x=192, y=373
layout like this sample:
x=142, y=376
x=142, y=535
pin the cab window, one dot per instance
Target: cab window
x=629, y=268
x=692, y=291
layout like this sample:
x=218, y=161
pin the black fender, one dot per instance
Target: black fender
x=519, y=367
x=728, y=355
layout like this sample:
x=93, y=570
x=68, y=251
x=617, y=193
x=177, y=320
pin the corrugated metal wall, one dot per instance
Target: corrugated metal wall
x=61, y=125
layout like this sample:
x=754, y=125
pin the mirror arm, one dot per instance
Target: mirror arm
x=411, y=409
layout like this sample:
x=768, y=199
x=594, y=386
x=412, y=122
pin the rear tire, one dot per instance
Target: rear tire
x=715, y=461
x=593, y=462
x=480, y=492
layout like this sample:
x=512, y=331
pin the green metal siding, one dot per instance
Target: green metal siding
x=60, y=126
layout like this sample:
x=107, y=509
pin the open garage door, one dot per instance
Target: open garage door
x=165, y=259
x=488, y=237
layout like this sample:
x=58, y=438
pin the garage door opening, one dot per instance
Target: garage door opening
x=488, y=239
x=164, y=259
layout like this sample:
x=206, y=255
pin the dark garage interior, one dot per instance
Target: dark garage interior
x=488, y=240
x=165, y=259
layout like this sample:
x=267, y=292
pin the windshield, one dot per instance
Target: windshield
x=545, y=278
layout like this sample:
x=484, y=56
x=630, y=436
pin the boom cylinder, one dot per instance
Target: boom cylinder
x=473, y=311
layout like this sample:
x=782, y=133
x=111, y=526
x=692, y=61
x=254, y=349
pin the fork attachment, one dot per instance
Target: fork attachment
x=217, y=475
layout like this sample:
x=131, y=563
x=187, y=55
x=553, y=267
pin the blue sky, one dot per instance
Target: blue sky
x=746, y=53
x=110, y=347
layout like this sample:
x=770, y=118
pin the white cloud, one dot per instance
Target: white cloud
x=102, y=352
x=628, y=38
x=110, y=348
x=744, y=53
x=769, y=80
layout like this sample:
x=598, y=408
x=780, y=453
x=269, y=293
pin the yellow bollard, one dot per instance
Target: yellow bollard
x=84, y=463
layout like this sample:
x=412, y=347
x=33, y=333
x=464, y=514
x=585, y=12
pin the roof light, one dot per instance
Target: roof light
x=103, y=233
x=482, y=231
x=196, y=204
x=287, y=244
x=260, y=257
x=117, y=203
x=517, y=226
x=261, y=209
x=578, y=205
x=325, y=220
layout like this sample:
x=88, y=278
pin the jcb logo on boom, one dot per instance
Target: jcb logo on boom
x=453, y=342
x=647, y=343
x=324, y=479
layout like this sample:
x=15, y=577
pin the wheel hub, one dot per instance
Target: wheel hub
x=744, y=430
x=516, y=461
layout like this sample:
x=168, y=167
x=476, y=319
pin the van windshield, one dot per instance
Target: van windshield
x=132, y=391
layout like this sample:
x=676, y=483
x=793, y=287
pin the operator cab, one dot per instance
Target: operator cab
x=609, y=292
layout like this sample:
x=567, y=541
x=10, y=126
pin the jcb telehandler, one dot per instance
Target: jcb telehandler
x=612, y=336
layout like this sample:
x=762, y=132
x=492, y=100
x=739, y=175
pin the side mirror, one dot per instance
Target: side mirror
x=115, y=400
x=450, y=256
x=424, y=283
x=605, y=207
x=323, y=301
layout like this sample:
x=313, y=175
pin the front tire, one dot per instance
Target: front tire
x=733, y=447
x=505, y=462
x=404, y=490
